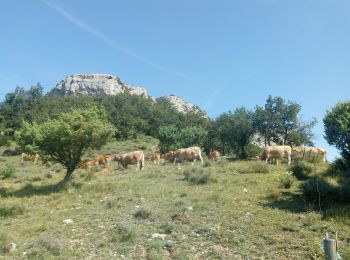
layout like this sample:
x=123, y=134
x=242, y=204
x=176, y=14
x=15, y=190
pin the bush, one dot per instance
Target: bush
x=339, y=168
x=51, y=243
x=252, y=150
x=316, y=189
x=286, y=181
x=198, y=176
x=4, y=241
x=10, y=211
x=273, y=193
x=255, y=167
x=7, y=172
x=301, y=170
x=142, y=214
x=11, y=152
x=124, y=232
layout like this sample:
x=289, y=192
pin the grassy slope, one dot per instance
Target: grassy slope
x=214, y=220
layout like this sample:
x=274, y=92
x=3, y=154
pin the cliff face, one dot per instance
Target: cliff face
x=91, y=84
x=179, y=104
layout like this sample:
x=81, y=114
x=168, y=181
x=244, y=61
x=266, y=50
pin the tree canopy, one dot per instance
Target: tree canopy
x=66, y=138
x=337, y=128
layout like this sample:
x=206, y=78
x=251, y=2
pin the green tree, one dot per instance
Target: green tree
x=278, y=122
x=337, y=128
x=169, y=138
x=66, y=139
x=193, y=136
x=235, y=131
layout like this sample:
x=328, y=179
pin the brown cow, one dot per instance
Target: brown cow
x=137, y=157
x=276, y=152
x=214, y=155
x=188, y=154
x=155, y=158
x=169, y=156
x=309, y=153
x=106, y=169
x=103, y=160
x=29, y=157
x=86, y=164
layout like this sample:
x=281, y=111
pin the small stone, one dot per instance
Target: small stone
x=245, y=190
x=11, y=247
x=156, y=235
x=68, y=221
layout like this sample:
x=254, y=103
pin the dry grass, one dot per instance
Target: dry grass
x=230, y=218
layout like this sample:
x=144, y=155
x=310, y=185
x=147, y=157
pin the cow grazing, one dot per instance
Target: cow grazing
x=86, y=164
x=169, y=156
x=188, y=154
x=103, y=160
x=214, y=155
x=106, y=169
x=309, y=153
x=276, y=152
x=155, y=158
x=137, y=157
x=29, y=157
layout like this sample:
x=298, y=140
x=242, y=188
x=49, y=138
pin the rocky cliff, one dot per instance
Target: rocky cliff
x=90, y=84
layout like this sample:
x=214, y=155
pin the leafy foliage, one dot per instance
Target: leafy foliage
x=278, y=122
x=172, y=138
x=337, y=128
x=68, y=137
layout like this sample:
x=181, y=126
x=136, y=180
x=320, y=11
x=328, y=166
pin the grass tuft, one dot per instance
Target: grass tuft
x=7, y=172
x=11, y=211
x=199, y=176
x=142, y=214
x=50, y=243
x=254, y=167
x=301, y=170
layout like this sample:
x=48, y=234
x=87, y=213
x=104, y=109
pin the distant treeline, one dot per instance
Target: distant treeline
x=235, y=132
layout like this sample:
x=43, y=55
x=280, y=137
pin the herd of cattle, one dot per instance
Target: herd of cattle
x=268, y=153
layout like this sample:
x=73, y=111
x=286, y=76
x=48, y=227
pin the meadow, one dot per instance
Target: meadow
x=222, y=210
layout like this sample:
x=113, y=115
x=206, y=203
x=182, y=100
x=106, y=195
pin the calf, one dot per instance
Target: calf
x=136, y=157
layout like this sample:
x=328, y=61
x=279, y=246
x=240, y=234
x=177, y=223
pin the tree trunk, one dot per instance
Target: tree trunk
x=68, y=176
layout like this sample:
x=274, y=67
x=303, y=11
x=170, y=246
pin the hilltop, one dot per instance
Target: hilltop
x=92, y=84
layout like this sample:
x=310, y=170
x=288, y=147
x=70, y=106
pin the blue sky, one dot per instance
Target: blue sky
x=219, y=55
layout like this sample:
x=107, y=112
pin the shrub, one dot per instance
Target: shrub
x=255, y=167
x=316, y=189
x=198, y=176
x=273, y=193
x=142, y=214
x=10, y=211
x=51, y=243
x=7, y=172
x=11, y=152
x=4, y=241
x=301, y=170
x=124, y=232
x=286, y=181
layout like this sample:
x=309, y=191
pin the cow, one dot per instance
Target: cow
x=155, y=158
x=309, y=153
x=29, y=157
x=137, y=157
x=102, y=160
x=214, y=155
x=169, y=156
x=276, y=152
x=106, y=169
x=188, y=154
x=86, y=164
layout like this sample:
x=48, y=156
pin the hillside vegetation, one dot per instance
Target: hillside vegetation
x=228, y=209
